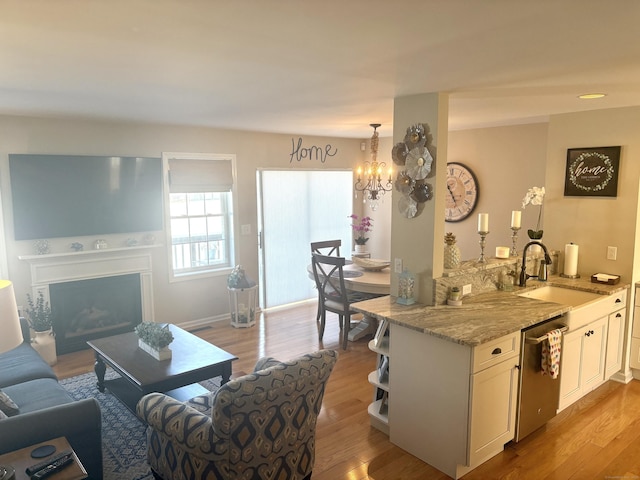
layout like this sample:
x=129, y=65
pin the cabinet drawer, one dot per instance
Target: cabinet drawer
x=617, y=301
x=495, y=351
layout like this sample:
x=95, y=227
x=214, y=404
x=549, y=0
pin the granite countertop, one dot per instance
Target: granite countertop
x=483, y=317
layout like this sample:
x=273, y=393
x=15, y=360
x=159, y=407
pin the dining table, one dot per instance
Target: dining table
x=359, y=279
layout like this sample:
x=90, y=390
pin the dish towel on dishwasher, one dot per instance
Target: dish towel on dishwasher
x=551, y=353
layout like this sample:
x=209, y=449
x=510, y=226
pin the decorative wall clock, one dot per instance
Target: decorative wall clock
x=461, y=196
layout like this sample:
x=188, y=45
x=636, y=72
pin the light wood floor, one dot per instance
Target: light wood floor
x=596, y=438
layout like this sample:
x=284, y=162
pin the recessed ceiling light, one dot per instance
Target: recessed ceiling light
x=590, y=96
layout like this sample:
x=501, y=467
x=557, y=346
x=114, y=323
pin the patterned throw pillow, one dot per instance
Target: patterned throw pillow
x=8, y=406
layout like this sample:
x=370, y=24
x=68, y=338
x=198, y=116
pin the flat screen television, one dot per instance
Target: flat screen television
x=72, y=195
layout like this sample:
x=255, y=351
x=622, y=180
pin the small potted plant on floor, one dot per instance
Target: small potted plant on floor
x=155, y=338
x=40, y=320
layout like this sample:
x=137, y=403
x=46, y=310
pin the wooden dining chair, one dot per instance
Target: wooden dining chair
x=325, y=247
x=333, y=296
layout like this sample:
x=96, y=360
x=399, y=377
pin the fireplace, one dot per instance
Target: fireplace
x=94, y=293
x=88, y=309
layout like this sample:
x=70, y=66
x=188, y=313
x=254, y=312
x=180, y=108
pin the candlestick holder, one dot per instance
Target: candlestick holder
x=483, y=243
x=514, y=240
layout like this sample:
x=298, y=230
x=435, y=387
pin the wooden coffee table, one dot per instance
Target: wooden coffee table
x=192, y=361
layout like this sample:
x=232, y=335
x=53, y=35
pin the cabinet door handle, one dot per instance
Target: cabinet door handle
x=518, y=367
x=496, y=351
x=618, y=315
x=589, y=333
x=618, y=300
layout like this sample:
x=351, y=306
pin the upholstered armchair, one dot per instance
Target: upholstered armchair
x=258, y=426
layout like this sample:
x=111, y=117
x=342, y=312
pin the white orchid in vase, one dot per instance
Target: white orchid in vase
x=535, y=196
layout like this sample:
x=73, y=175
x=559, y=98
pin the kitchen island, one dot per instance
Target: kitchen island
x=454, y=370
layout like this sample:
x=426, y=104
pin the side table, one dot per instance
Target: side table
x=21, y=459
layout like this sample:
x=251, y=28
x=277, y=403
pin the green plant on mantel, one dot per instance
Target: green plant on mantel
x=39, y=314
x=154, y=334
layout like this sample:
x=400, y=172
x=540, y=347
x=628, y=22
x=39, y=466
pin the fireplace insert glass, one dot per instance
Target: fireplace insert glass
x=99, y=307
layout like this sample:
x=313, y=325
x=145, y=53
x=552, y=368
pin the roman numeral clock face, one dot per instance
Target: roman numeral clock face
x=461, y=196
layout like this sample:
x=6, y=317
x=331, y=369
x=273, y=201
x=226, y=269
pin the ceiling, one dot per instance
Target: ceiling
x=322, y=67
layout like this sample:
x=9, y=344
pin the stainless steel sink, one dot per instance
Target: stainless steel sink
x=585, y=306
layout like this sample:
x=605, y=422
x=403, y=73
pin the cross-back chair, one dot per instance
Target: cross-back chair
x=325, y=247
x=333, y=295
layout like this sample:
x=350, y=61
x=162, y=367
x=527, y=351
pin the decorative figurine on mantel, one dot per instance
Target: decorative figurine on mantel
x=451, y=251
x=77, y=247
x=41, y=247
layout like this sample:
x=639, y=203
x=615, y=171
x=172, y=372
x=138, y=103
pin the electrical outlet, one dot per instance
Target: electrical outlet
x=612, y=253
x=466, y=289
x=398, y=265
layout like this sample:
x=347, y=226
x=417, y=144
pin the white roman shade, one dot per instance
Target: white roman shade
x=192, y=176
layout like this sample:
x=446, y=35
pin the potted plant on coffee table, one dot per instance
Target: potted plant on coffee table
x=40, y=320
x=155, y=338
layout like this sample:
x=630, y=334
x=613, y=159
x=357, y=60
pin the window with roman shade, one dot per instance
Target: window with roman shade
x=200, y=213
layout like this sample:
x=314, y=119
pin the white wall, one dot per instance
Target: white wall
x=594, y=223
x=184, y=301
x=507, y=161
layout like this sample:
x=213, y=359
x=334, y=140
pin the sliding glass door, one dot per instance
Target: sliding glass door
x=297, y=208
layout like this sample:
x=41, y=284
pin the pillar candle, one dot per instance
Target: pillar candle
x=570, y=260
x=516, y=218
x=483, y=222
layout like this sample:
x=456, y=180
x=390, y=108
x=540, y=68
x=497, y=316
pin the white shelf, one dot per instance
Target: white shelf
x=373, y=380
x=374, y=412
x=382, y=348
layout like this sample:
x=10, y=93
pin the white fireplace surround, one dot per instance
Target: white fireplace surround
x=72, y=266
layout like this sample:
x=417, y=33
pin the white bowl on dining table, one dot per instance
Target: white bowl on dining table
x=371, y=264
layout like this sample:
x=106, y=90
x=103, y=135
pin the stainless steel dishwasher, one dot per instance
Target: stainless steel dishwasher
x=538, y=394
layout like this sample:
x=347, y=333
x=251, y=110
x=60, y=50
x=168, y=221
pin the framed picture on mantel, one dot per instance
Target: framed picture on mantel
x=592, y=172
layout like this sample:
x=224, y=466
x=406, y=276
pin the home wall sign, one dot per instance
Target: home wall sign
x=299, y=153
x=592, y=172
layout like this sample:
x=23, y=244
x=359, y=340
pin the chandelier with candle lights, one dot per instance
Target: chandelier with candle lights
x=369, y=180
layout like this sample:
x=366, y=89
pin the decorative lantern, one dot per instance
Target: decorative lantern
x=406, y=288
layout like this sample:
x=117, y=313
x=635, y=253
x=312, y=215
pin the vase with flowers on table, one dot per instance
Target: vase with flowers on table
x=361, y=226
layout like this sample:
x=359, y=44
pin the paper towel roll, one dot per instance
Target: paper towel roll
x=571, y=260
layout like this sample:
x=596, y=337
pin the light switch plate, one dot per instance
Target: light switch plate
x=398, y=265
x=612, y=253
x=466, y=289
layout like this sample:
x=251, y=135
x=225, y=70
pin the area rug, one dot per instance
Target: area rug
x=124, y=443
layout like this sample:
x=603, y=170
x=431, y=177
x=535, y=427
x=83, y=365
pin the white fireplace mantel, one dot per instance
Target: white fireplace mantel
x=72, y=266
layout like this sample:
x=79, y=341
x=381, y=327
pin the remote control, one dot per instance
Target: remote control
x=45, y=463
x=52, y=468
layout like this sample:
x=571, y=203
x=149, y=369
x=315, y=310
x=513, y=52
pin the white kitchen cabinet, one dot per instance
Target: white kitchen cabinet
x=615, y=343
x=582, y=365
x=635, y=352
x=494, y=393
x=593, y=353
x=634, y=360
x=459, y=409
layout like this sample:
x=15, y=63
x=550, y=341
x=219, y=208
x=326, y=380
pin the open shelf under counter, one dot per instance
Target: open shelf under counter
x=378, y=420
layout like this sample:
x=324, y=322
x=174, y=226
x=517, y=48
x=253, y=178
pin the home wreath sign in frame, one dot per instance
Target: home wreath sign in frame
x=592, y=172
